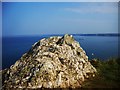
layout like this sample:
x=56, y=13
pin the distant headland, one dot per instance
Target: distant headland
x=93, y=34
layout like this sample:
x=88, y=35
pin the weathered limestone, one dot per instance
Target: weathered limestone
x=55, y=62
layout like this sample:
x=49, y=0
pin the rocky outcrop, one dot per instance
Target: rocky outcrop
x=55, y=62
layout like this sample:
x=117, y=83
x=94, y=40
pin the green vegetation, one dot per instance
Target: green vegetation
x=108, y=74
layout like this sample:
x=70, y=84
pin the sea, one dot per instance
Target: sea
x=100, y=47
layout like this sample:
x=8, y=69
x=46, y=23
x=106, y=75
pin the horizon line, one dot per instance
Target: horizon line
x=117, y=34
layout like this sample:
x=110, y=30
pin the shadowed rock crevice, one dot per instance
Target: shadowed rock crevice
x=55, y=62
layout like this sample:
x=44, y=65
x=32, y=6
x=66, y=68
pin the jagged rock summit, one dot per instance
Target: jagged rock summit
x=55, y=62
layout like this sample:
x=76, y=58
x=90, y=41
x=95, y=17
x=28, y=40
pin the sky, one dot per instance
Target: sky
x=37, y=18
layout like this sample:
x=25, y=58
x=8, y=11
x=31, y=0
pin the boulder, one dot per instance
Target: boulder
x=55, y=62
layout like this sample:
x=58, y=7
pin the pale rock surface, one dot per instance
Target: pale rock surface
x=55, y=62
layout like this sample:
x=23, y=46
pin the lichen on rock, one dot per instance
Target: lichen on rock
x=55, y=62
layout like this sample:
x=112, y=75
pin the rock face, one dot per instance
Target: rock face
x=55, y=62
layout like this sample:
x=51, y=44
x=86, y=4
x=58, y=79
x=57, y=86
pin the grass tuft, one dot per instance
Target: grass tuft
x=108, y=74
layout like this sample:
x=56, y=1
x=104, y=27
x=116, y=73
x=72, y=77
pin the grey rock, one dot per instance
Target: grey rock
x=55, y=62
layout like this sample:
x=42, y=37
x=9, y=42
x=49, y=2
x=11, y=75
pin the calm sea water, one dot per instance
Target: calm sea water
x=102, y=47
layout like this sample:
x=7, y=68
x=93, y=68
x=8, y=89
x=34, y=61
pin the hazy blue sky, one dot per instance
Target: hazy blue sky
x=59, y=18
